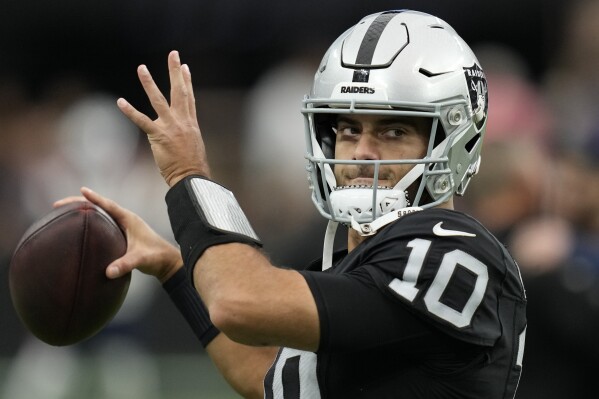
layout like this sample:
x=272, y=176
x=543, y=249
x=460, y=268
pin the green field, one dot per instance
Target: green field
x=102, y=377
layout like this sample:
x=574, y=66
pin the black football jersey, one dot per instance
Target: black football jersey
x=432, y=306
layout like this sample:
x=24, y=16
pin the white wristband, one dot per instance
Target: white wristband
x=221, y=209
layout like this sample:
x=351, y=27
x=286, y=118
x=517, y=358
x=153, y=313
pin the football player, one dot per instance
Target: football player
x=424, y=303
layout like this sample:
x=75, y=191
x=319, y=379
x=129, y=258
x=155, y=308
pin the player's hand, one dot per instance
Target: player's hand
x=146, y=250
x=175, y=137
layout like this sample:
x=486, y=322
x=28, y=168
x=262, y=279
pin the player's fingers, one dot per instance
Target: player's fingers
x=140, y=119
x=68, y=200
x=191, y=100
x=157, y=99
x=179, y=91
x=118, y=213
x=134, y=258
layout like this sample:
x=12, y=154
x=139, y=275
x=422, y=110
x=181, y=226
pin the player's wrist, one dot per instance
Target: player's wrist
x=200, y=170
x=171, y=267
x=203, y=214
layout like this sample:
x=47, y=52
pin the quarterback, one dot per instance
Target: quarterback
x=423, y=303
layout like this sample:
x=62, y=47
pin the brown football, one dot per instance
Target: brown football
x=57, y=274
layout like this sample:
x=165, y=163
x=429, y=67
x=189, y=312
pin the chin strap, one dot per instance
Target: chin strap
x=364, y=229
x=369, y=229
x=329, y=239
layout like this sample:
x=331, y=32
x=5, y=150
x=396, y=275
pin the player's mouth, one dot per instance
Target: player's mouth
x=362, y=176
x=365, y=183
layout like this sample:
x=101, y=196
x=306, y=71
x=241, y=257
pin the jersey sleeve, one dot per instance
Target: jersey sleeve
x=354, y=315
x=452, y=276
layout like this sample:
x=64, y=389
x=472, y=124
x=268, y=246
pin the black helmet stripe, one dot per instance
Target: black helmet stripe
x=369, y=42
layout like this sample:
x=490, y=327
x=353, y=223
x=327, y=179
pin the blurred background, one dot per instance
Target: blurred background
x=64, y=63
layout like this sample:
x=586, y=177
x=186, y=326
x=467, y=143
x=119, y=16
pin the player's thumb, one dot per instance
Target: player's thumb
x=119, y=267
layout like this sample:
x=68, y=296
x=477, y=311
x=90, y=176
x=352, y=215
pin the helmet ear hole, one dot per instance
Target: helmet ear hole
x=323, y=124
x=472, y=143
x=439, y=135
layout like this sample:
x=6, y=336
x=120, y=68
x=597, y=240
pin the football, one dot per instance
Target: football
x=57, y=278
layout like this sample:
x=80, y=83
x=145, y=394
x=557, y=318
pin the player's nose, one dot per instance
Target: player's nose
x=367, y=148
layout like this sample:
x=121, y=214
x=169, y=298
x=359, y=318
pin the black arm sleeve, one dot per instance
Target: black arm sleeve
x=355, y=315
x=189, y=303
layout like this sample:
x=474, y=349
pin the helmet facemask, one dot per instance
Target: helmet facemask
x=427, y=184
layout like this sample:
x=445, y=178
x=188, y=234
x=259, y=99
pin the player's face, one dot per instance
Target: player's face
x=375, y=137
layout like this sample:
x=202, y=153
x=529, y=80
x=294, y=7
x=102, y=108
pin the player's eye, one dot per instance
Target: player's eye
x=346, y=130
x=393, y=132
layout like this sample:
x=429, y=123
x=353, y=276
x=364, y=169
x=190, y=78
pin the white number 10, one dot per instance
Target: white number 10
x=406, y=287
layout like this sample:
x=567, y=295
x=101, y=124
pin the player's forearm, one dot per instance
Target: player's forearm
x=243, y=367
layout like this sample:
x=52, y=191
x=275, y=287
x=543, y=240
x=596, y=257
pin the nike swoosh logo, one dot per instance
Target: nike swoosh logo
x=441, y=232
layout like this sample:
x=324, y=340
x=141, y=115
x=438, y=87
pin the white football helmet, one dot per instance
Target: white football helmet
x=397, y=63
